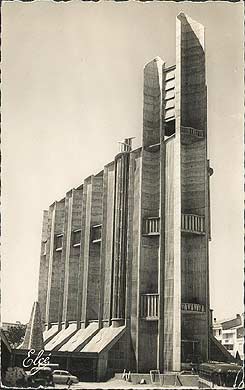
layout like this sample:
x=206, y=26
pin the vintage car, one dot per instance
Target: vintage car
x=64, y=377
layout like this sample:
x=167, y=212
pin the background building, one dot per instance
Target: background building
x=124, y=276
x=230, y=333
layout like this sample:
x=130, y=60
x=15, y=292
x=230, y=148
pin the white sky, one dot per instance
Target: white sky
x=72, y=87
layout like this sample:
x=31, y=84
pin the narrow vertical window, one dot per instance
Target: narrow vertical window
x=44, y=248
x=76, y=238
x=96, y=233
x=59, y=242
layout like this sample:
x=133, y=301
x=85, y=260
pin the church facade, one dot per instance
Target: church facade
x=124, y=274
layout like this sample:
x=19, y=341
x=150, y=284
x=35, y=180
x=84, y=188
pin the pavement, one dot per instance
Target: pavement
x=113, y=384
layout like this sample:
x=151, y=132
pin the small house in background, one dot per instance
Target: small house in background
x=230, y=333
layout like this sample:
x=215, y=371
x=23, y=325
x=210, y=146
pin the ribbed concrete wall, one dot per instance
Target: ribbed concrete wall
x=71, y=255
x=56, y=265
x=91, y=254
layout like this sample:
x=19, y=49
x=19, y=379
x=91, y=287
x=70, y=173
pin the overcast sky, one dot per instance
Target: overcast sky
x=72, y=87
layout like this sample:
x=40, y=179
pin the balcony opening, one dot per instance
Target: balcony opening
x=190, y=135
x=169, y=127
x=192, y=307
x=149, y=306
x=151, y=226
x=193, y=223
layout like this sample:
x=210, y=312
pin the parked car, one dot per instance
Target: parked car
x=64, y=377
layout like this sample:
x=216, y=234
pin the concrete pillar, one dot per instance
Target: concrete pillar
x=107, y=245
x=120, y=237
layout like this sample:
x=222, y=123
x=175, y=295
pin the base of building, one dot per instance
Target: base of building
x=154, y=378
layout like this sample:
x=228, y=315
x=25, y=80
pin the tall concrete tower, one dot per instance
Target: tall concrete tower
x=175, y=189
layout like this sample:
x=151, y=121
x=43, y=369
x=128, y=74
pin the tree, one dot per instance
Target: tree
x=15, y=334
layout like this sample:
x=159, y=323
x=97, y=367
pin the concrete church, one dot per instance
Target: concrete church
x=124, y=274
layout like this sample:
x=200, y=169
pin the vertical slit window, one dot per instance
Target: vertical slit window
x=76, y=238
x=96, y=233
x=44, y=251
x=59, y=242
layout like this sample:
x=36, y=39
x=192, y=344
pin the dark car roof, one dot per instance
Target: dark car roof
x=41, y=369
x=220, y=367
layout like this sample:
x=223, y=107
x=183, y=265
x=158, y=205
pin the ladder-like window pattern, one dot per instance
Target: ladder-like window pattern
x=152, y=226
x=197, y=307
x=192, y=223
x=149, y=306
x=191, y=131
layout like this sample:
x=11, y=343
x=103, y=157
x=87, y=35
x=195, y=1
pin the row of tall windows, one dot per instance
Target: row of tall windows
x=76, y=239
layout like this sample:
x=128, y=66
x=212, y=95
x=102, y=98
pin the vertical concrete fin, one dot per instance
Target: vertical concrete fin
x=50, y=249
x=66, y=255
x=34, y=334
x=43, y=268
x=192, y=196
x=152, y=107
x=120, y=236
x=107, y=242
x=86, y=238
x=190, y=57
x=190, y=99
